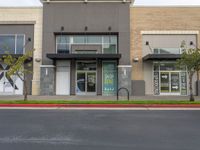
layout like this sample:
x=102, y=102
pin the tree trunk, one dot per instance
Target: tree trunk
x=190, y=87
x=25, y=90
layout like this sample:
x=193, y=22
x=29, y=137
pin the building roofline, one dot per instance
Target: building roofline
x=86, y=1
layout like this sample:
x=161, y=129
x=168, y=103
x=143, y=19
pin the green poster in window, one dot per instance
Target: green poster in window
x=109, y=78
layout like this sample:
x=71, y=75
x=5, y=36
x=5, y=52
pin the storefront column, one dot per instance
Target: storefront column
x=73, y=77
x=124, y=78
x=47, y=80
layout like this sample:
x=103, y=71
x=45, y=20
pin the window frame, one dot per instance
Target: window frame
x=167, y=48
x=102, y=43
x=15, y=36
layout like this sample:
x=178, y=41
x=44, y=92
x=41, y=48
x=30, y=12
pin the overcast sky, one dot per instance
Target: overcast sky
x=20, y=3
x=167, y=2
x=7, y=3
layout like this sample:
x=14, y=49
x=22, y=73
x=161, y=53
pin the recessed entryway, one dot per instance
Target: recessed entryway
x=86, y=77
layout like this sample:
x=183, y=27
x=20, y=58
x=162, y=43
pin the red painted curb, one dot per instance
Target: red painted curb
x=106, y=105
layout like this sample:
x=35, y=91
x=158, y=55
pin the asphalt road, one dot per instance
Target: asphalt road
x=99, y=130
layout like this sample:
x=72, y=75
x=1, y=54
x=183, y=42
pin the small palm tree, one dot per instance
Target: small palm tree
x=190, y=58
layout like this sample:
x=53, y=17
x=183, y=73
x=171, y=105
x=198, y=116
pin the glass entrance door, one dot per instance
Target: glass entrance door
x=164, y=82
x=170, y=83
x=91, y=82
x=80, y=83
x=86, y=83
x=175, y=82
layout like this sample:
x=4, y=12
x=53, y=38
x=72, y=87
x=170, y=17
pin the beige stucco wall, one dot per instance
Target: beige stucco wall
x=28, y=16
x=166, y=20
x=159, y=19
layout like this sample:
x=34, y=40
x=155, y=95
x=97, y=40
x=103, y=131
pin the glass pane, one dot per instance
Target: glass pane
x=110, y=39
x=183, y=83
x=91, y=82
x=168, y=66
x=63, y=39
x=20, y=44
x=94, y=39
x=7, y=44
x=79, y=39
x=156, y=51
x=109, y=49
x=86, y=65
x=156, y=67
x=63, y=48
x=167, y=51
x=109, y=78
x=80, y=87
x=164, y=81
x=156, y=83
x=175, y=85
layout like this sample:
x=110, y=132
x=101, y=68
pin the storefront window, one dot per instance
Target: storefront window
x=167, y=51
x=183, y=83
x=63, y=44
x=79, y=39
x=169, y=79
x=12, y=44
x=91, y=39
x=109, y=48
x=109, y=78
x=108, y=43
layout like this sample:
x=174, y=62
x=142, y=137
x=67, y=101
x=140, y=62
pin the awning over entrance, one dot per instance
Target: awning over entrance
x=161, y=57
x=83, y=56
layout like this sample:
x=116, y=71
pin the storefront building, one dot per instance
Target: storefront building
x=86, y=47
x=20, y=30
x=157, y=34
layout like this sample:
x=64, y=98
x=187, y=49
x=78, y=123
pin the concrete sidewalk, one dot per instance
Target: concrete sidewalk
x=114, y=98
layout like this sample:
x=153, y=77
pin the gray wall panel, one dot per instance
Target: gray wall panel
x=148, y=77
x=138, y=87
x=96, y=16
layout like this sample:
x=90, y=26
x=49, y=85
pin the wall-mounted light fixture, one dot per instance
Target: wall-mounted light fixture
x=135, y=59
x=109, y=28
x=148, y=44
x=29, y=39
x=86, y=28
x=37, y=59
x=62, y=28
x=191, y=43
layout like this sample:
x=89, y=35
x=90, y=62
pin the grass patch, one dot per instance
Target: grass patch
x=97, y=102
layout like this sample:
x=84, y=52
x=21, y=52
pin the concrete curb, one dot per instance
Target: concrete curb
x=102, y=105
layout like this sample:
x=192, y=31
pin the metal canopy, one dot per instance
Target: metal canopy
x=83, y=56
x=161, y=57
